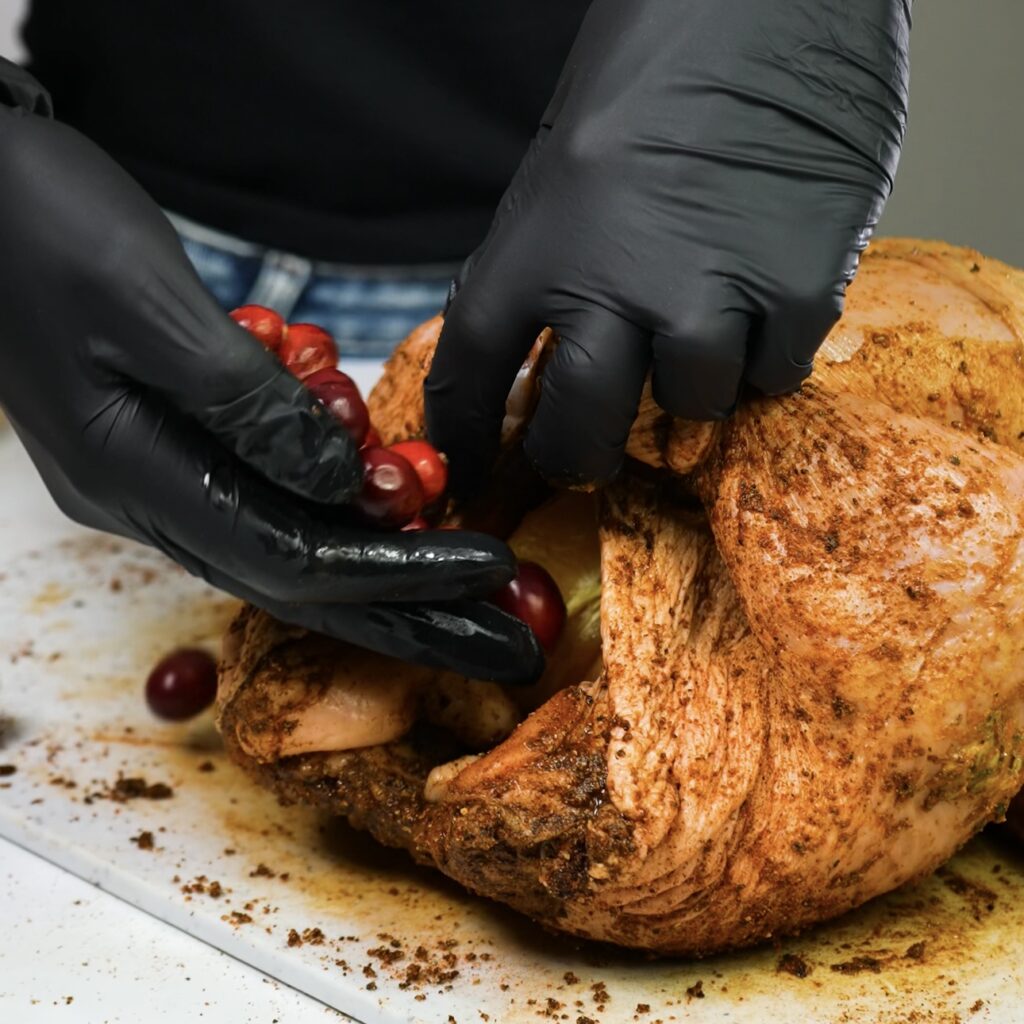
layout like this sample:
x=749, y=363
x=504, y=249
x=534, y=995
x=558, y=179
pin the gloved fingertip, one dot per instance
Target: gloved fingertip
x=774, y=381
x=700, y=411
x=477, y=640
x=581, y=468
x=477, y=563
x=522, y=664
x=469, y=470
x=526, y=671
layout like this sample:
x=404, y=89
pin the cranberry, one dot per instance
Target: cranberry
x=429, y=464
x=534, y=598
x=372, y=439
x=416, y=525
x=182, y=685
x=262, y=323
x=339, y=393
x=307, y=348
x=392, y=494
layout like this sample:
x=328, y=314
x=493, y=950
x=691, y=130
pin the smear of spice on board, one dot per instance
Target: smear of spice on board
x=858, y=965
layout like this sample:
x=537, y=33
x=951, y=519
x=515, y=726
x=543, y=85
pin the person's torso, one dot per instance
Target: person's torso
x=358, y=132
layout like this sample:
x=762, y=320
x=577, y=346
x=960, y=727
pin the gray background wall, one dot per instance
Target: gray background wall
x=962, y=174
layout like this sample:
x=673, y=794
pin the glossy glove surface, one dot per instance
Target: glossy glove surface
x=693, y=206
x=150, y=414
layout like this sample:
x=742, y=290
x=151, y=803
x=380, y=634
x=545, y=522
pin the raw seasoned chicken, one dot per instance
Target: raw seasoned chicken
x=809, y=685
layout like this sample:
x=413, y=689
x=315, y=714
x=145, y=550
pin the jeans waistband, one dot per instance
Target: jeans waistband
x=205, y=235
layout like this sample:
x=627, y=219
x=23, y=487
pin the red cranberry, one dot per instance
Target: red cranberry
x=338, y=392
x=262, y=323
x=372, y=439
x=416, y=525
x=392, y=494
x=534, y=598
x=429, y=464
x=307, y=348
x=182, y=685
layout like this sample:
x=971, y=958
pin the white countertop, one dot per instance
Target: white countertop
x=71, y=953
x=77, y=954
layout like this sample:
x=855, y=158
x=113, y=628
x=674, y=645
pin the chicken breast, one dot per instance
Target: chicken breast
x=807, y=694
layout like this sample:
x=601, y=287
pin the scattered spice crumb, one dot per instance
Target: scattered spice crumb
x=643, y=1007
x=134, y=788
x=7, y=769
x=696, y=990
x=294, y=938
x=144, y=840
x=201, y=885
x=386, y=955
x=915, y=952
x=792, y=963
x=207, y=766
x=977, y=1005
x=237, y=917
x=262, y=871
x=570, y=978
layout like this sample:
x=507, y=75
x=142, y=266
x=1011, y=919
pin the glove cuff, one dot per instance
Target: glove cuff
x=20, y=91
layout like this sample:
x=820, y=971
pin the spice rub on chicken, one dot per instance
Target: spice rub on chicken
x=792, y=675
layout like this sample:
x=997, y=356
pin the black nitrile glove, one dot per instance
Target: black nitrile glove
x=693, y=206
x=150, y=414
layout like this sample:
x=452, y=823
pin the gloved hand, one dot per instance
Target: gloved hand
x=150, y=414
x=693, y=205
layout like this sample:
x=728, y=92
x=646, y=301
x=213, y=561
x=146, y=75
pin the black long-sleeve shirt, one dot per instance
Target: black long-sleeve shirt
x=367, y=132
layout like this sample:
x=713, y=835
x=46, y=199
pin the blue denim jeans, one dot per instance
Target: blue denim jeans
x=367, y=309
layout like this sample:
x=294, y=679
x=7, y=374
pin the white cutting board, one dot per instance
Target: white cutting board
x=83, y=618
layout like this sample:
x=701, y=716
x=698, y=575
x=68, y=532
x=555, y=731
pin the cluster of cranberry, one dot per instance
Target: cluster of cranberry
x=400, y=480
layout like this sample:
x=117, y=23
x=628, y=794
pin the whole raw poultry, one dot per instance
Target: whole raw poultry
x=809, y=687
